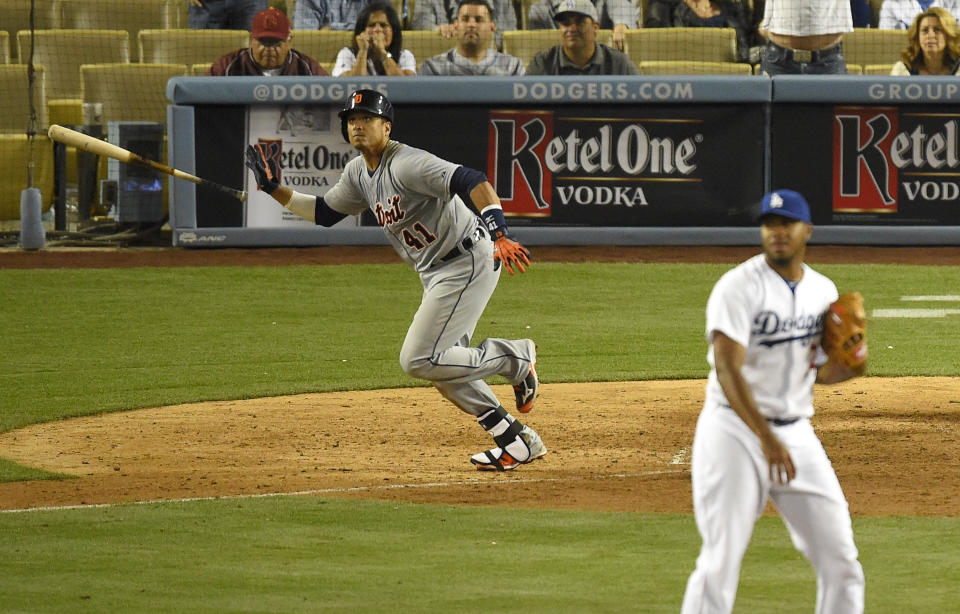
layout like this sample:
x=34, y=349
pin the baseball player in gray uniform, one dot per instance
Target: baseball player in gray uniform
x=765, y=320
x=445, y=220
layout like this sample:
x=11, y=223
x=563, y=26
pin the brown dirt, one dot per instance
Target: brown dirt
x=613, y=446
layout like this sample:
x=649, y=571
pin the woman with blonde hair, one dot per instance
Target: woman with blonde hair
x=933, y=46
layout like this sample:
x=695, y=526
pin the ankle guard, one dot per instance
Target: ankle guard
x=506, y=432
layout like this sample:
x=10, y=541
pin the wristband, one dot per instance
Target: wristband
x=493, y=219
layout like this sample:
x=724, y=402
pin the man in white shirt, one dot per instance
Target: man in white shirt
x=804, y=36
x=899, y=14
x=754, y=440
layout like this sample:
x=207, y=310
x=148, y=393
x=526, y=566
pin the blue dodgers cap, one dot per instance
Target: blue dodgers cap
x=785, y=203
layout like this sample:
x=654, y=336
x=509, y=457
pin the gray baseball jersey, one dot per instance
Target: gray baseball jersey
x=409, y=193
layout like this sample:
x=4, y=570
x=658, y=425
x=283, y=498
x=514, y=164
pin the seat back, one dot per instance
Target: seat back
x=877, y=69
x=525, y=44
x=200, y=70
x=15, y=98
x=688, y=44
x=323, y=45
x=130, y=92
x=680, y=67
x=425, y=44
x=120, y=15
x=189, y=47
x=15, y=152
x=871, y=46
x=61, y=52
x=15, y=16
x=4, y=47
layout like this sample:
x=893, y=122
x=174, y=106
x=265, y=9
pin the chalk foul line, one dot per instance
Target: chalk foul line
x=352, y=489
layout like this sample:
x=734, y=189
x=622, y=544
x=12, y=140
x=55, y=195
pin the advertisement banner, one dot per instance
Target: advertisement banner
x=610, y=165
x=870, y=164
x=308, y=147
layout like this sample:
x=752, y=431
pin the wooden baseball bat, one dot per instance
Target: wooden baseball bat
x=102, y=148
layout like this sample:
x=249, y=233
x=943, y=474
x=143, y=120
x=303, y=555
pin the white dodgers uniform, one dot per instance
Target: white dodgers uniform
x=781, y=328
x=445, y=242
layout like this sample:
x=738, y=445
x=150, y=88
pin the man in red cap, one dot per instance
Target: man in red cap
x=270, y=52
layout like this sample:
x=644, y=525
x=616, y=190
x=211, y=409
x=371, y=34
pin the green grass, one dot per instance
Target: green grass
x=295, y=554
x=80, y=342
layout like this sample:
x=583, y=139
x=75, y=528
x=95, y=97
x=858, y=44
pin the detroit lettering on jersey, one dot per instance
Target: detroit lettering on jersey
x=773, y=329
x=391, y=214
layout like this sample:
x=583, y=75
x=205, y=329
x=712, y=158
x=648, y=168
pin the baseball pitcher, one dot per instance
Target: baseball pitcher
x=765, y=325
x=445, y=220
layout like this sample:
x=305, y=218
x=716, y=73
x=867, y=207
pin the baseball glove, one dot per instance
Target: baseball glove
x=845, y=331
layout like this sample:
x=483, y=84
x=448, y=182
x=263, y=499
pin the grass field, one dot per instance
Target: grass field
x=79, y=342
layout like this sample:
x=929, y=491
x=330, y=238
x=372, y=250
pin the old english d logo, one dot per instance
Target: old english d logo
x=357, y=98
x=517, y=144
x=864, y=176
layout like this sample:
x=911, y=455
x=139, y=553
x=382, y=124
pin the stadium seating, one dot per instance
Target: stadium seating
x=4, y=47
x=120, y=15
x=680, y=67
x=15, y=98
x=322, y=45
x=200, y=70
x=15, y=16
x=15, y=151
x=62, y=52
x=878, y=69
x=185, y=46
x=129, y=91
x=525, y=44
x=689, y=44
x=870, y=46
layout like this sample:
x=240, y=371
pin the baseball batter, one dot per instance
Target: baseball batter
x=753, y=440
x=445, y=220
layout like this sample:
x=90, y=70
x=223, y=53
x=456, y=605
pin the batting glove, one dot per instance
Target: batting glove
x=511, y=254
x=264, y=169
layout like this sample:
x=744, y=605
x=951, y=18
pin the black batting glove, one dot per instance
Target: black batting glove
x=264, y=169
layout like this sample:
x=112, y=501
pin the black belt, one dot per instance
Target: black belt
x=773, y=421
x=782, y=421
x=805, y=57
x=463, y=246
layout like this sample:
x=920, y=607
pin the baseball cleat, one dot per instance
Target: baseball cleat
x=498, y=459
x=526, y=391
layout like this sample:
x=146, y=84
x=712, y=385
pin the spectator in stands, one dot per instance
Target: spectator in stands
x=899, y=14
x=224, y=14
x=324, y=14
x=270, y=52
x=442, y=15
x=473, y=55
x=810, y=46
x=862, y=14
x=704, y=13
x=378, y=45
x=933, y=45
x=618, y=15
x=579, y=53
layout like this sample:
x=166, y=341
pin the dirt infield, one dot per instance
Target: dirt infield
x=613, y=446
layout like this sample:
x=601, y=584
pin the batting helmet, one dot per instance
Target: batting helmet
x=369, y=101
